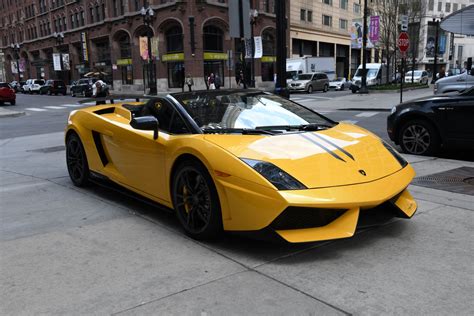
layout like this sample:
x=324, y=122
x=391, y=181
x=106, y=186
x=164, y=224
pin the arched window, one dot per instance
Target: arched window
x=268, y=40
x=174, y=39
x=213, y=39
x=124, y=45
x=269, y=52
x=125, y=62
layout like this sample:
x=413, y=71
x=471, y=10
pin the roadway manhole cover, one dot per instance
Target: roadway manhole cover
x=48, y=149
x=460, y=180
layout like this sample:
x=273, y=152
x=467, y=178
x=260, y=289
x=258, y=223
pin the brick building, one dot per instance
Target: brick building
x=104, y=35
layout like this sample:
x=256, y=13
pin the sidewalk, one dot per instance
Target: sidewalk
x=10, y=113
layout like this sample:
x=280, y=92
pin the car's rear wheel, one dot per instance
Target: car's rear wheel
x=419, y=137
x=76, y=161
x=310, y=89
x=196, y=201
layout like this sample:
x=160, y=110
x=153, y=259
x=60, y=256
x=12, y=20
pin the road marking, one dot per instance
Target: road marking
x=54, y=107
x=349, y=121
x=35, y=109
x=305, y=100
x=324, y=112
x=367, y=114
x=72, y=105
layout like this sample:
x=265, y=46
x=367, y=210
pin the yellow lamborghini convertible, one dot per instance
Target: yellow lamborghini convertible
x=242, y=161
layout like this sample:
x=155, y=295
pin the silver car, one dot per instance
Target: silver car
x=419, y=76
x=454, y=83
x=309, y=82
x=340, y=83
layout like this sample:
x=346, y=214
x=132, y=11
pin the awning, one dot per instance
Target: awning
x=460, y=22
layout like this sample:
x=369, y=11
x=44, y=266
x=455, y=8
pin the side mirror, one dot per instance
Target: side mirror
x=146, y=123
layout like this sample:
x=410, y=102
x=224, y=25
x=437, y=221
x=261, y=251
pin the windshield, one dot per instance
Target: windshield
x=245, y=110
x=291, y=74
x=417, y=73
x=39, y=81
x=304, y=77
x=370, y=72
x=4, y=85
x=338, y=79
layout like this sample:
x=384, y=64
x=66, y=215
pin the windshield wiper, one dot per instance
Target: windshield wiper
x=244, y=131
x=301, y=127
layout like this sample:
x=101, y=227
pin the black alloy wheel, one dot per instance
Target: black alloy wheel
x=76, y=160
x=310, y=89
x=419, y=137
x=196, y=201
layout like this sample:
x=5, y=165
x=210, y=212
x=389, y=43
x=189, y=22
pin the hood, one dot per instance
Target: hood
x=300, y=81
x=326, y=158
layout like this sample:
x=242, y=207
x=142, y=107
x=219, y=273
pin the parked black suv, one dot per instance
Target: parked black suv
x=53, y=87
x=83, y=87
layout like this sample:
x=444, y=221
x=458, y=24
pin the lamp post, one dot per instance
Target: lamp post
x=281, y=25
x=363, y=84
x=435, y=62
x=16, y=49
x=253, y=21
x=148, y=15
x=59, y=40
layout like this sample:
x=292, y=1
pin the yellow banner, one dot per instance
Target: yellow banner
x=143, y=44
x=215, y=56
x=173, y=57
x=268, y=59
x=124, y=61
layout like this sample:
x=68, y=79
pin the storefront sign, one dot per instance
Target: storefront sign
x=173, y=57
x=85, y=52
x=66, y=63
x=269, y=59
x=57, y=62
x=215, y=56
x=124, y=61
x=258, y=47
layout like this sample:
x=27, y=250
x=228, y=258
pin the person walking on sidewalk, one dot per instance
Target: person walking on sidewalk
x=211, y=82
x=217, y=81
x=189, y=82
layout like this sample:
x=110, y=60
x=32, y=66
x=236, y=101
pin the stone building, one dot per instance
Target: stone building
x=192, y=37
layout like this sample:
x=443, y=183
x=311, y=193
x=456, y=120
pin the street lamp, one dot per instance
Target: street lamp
x=253, y=21
x=148, y=14
x=363, y=84
x=59, y=40
x=435, y=62
x=16, y=49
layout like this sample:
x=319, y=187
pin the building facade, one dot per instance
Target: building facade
x=110, y=37
x=322, y=28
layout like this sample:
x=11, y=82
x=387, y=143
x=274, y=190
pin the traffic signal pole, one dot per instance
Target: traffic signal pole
x=281, y=26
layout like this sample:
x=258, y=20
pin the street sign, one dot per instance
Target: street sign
x=235, y=18
x=403, y=42
x=404, y=23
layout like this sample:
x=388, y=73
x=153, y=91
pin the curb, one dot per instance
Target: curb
x=397, y=90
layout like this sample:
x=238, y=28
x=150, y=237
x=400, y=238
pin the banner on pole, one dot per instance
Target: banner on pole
x=154, y=48
x=85, y=52
x=374, y=28
x=22, y=64
x=143, y=44
x=66, y=64
x=57, y=62
x=248, y=48
x=14, y=68
x=258, y=47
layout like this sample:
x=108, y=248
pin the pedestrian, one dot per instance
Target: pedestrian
x=189, y=82
x=241, y=81
x=211, y=82
x=217, y=81
x=99, y=90
x=182, y=78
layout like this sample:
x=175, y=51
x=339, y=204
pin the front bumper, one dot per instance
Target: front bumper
x=297, y=88
x=264, y=212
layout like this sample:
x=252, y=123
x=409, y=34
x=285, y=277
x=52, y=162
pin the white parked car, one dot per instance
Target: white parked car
x=419, y=76
x=33, y=85
x=340, y=83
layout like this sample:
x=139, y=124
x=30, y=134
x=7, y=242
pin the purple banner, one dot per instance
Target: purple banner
x=374, y=28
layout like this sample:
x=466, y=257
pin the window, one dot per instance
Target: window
x=213, y=39
x=72, y=21
x=455, y=7
x=431, y=5
x=328, y=2
x=344, y=4
x=327, y=20
x=357, y=8
x=303, y=15
x=343, y=24
x=448, y=7
x=440, y=6
x=115, y=5
x=82, y=18
x=122, y=7
x=174, y=39
x=127, y=74
x=91, y=14
x=64, y=23
x=310, y=16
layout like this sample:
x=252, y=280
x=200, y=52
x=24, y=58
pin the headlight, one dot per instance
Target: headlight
x=394, y=109
x=279, y=178
x=396, y=154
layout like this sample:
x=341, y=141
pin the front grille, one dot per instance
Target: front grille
x=305, y=217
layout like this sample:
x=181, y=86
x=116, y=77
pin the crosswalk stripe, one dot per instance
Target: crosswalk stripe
x=349, y=121
x=367, y=114
x=305, y=100
x=35, y=109
x=53, y=107
x=72, y=105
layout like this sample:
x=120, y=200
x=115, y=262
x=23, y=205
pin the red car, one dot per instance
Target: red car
x=7, y=94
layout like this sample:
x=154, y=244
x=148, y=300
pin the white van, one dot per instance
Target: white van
x=376, y=75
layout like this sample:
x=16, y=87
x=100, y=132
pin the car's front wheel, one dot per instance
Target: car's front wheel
x=419, y=137
x=196, y=201
x=326, y=88
x=310, y=89
x=76, y=161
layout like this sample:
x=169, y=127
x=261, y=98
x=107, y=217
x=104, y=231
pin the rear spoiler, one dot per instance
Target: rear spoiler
x=112, y=98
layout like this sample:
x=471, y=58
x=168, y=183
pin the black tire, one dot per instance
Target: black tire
x=196, y=201
x=419, y=137
x=73, y=94
x=310, y=89
x=353, y=90
x=76, y=161
x=326, y=88
x=12, y=102
x=342, y=87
